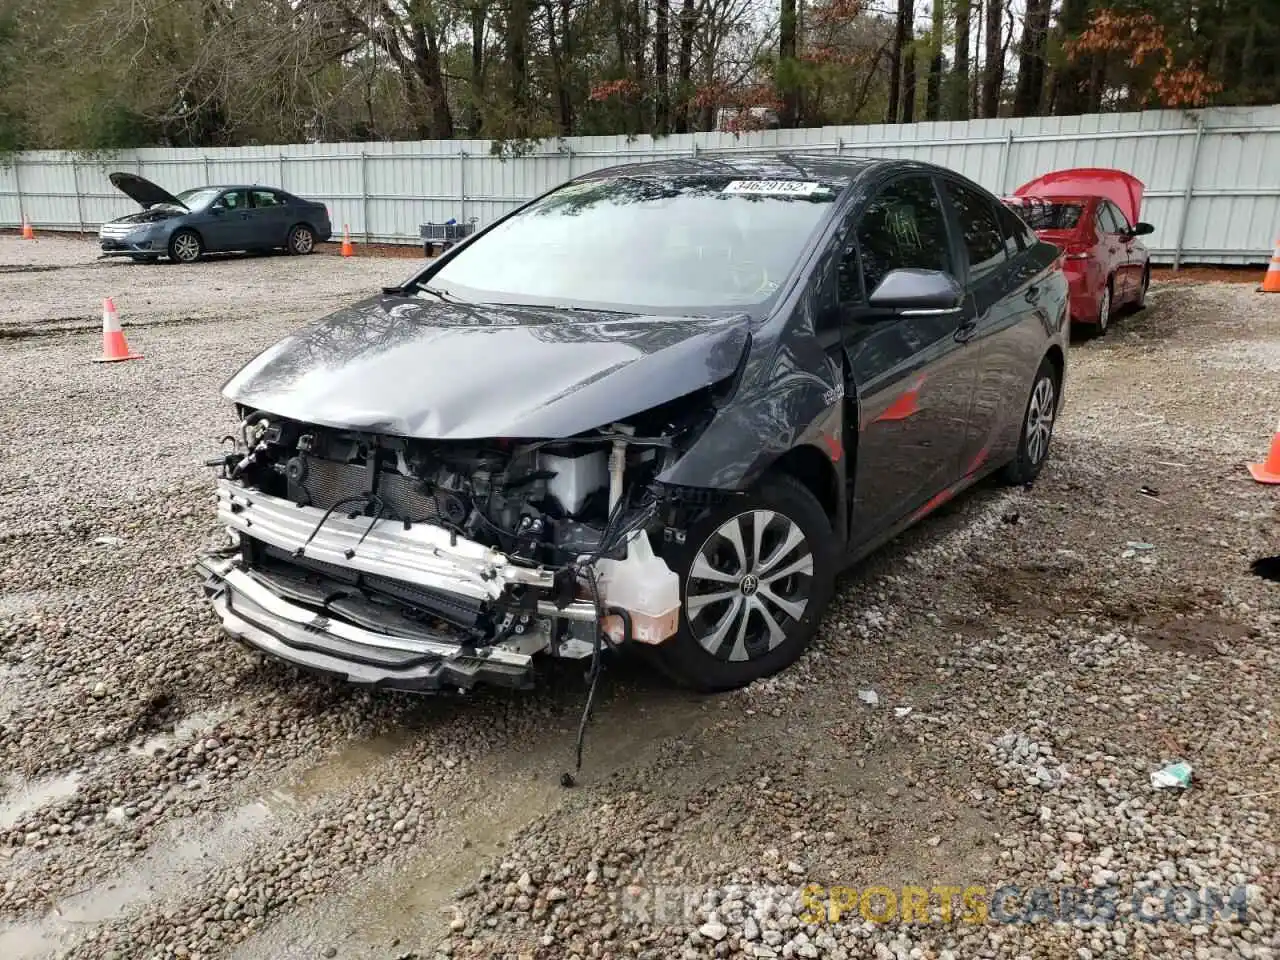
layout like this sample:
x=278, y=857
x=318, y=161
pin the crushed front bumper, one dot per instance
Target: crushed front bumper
x=362, y=641
x=252, y=613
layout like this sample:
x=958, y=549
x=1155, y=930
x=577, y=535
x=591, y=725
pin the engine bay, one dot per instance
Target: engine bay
x=544, y=502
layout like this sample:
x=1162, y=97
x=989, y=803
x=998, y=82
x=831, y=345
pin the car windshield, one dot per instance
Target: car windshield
x=199, y=198
x=1048, y=214
x=659, y=244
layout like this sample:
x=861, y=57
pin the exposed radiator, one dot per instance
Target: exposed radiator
x=327, y=482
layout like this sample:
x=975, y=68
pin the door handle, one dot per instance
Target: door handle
x=966, y=330
x=1033, y=293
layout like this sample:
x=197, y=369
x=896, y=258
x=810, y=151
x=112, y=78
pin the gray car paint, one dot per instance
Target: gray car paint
x=414, y=367
x=820, y=381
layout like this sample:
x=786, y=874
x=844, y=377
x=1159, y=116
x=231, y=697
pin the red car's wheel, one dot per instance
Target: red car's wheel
x=1104, y=309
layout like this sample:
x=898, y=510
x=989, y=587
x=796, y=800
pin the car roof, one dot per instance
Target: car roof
x=764, y=166
x=241, y=186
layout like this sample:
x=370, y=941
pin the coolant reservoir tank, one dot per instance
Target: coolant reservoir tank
x=645, y=587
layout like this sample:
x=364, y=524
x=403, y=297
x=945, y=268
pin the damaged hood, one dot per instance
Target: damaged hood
x=143, y=192
x=448, y=371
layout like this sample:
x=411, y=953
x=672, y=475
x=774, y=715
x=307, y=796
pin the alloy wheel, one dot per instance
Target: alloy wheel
x=303, y=241
x=187, y=247
x=750, y=581
x=1040, y=420
x=1104, y=309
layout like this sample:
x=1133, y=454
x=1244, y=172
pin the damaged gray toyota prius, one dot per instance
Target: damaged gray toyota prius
x=657, y=407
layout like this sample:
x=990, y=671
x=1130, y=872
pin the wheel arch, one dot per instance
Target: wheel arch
x=1058, y=359
x=814, y=470
x=187, y=228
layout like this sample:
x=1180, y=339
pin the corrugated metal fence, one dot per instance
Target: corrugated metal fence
x=1212, y=176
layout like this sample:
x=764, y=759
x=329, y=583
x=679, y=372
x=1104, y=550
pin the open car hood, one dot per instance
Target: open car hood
x=1122, y=189
x=143, y=191
x=430, y=370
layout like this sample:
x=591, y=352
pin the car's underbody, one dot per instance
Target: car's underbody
x=429, y=565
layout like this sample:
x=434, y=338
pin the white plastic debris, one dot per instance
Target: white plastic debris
x=109, y=541
x=901, y=712
x=1176, y=776
x=869, y=697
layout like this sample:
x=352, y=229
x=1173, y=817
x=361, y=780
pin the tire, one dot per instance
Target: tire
x=746, y=648
x=185, y=246
x=1104, y=309
x=302, y=240
x=1037, y=430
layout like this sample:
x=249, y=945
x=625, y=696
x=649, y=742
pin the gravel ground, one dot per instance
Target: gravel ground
x=1034, y=656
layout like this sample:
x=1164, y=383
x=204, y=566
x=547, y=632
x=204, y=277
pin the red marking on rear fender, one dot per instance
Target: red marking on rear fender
x=907, y=403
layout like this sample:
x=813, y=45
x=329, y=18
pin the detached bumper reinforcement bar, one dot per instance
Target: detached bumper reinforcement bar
x=253, y=614
x=424, y=554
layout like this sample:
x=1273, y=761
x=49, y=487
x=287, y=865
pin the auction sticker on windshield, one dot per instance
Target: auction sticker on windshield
x=775, y=188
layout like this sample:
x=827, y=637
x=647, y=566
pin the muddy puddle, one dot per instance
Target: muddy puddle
x=184, y=732
x=186, y=852
x=22, y=798
x=409, y=900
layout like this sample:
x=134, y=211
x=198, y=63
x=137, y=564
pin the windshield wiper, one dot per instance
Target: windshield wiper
x=441, y=295
x=620, y=313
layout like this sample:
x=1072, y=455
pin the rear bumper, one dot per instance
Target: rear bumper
x=1083, y=305
x=255, y=614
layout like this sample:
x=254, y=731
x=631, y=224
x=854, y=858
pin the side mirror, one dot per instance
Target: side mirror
x=1141, y=229
x=911, y=291
x=217, y=209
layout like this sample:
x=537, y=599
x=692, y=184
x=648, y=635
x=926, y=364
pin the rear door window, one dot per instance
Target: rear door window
x=984, y=241
x=903, y=226
x=266, y=198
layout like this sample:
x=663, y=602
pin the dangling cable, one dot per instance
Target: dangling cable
x=379, y=505
x=597, y=664
x=361, y=498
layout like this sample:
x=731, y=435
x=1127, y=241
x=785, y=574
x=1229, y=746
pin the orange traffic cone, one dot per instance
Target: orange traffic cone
x=346, y=242
x=1271, y=282
x=29, y=234
x=114, y=346
x=1269, y=470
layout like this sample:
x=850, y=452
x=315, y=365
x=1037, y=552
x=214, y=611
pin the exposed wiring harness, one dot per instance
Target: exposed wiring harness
x=585, y=568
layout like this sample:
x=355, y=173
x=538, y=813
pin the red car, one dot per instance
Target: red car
x=1092, y=215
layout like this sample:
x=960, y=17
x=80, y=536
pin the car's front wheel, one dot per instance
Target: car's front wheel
x=756, y=574
x=185, y=246
x=1037, y=427
x=302, y=240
